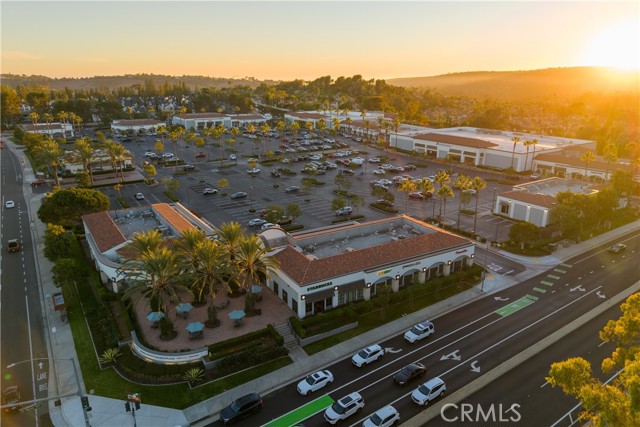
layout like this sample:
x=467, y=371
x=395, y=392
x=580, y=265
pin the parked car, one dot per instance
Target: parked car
x=419, y=331
x=534, y=176
x=139, y=196
x=344, y=211
x=471, y=191
x=167, y=155
x=385, y=203
x=238, y=195
x=9, y=204
x=233, y=157
x=210, y=190
x=383, y=417
x=256, y=222
x=276, y=174
x=346, y=172
x=253, y=171
x=367, y=355
x=13, y=245
x=149, y=154
x=374, y=160
x=292, y=189
x=241, y=408
x=409, y=372
x=617, y=248
x=188, y=167
x=200, y=155
x=409, y=167
x=315, y=382
x=39, y=182
x=11, y=398
x=378, y=172
x=428, y=391
x=344, y=408
x=268, y=225
x=419, y=195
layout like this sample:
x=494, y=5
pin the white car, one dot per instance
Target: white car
x=357, y=160
x=139, y=196
x=256, y=222
x=344, y=408
x=378, y=172
x=374, y=160
x=428, y=391
x=367, y=355
x=419, y=331
x=315, y=382
x=253, y=171
x=9, y=204
x=316, y=157
x=167, y=155
x=210, y=190
x=232, y=157
x=267, y=225
x=384, y=417
x=149, y=154
x=386, y=166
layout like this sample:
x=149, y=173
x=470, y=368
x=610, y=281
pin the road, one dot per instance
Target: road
x=20, y=315
x=471, y=340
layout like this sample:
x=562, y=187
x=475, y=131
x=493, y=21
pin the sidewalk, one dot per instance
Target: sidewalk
x=108, y=412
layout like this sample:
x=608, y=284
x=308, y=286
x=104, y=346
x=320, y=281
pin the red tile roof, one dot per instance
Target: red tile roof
x=531, y=198
x=173, y=217
x=598, y=165
x=308, y=115
x=137, y=122
x=306, y=271
x=200, y=115
x=104, y=231
x=456, y=140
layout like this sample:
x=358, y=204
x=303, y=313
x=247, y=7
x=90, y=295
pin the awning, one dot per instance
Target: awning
x=353, y=286
x=317, y=296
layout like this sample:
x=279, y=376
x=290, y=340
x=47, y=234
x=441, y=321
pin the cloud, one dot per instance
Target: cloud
x=14, y=54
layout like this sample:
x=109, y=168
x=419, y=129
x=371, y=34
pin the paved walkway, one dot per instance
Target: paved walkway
x=110, y=412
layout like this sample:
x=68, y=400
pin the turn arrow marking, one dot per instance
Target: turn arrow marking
x=475, y=367
x=501, y=299
x=455, y=355
x=600, y=295
x=391, y=350
x=577, y=288
x=40, y=365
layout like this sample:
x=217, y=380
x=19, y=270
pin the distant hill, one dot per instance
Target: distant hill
x=527, y=84
x=128, y=80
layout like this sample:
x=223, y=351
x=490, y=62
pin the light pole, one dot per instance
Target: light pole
x=84, y=400
x=493, y=204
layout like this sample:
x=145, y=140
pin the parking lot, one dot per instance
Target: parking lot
x=315, y=204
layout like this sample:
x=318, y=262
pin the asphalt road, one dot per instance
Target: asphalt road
x=473, y=339
x=20, y=317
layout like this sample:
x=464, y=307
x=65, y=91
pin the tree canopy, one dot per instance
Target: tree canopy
x=66, y=207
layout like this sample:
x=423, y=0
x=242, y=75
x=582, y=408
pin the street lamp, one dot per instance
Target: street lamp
x=83, y=399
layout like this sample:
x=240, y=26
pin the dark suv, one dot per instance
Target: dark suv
x=241, y=408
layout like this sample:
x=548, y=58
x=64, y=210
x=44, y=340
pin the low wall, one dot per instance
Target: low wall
x=306, y=341
x=163, y=358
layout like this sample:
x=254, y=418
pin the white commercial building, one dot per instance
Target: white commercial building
x=138, y=126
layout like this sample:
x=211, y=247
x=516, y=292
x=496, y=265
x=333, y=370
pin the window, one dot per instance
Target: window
x=276, y=288
x=294, y=305
x=285, y=297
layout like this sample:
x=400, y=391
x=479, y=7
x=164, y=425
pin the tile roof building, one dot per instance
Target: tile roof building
x=200, y=121
x=54, y=130
x=136, y=125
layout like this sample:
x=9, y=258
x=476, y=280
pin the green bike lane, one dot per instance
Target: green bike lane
x=301, y=413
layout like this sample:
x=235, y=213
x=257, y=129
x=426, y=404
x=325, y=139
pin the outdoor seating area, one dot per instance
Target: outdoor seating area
x=189, y=320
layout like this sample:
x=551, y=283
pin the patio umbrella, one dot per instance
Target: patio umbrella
x=236, y=314
x=195, y=327
x=154, y=316
x=184, y=306
x=256, y=289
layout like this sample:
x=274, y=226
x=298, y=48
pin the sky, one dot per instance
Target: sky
x=305, y=40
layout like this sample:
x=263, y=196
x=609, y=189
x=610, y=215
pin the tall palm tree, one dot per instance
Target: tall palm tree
x=252, y=130
x=309, y=126
x=281, y=126
x=527, y=143
x=462, y=183
x=86, y=153
x=515, y=140
x=425, y=186
x=441, y=178
x=534, y=142
x=407, y=186
x=254, y=264
x=230, y=234
x=587, y=157
x=211, y=267
x=478, y=184
x=116, y=153
x=161, y=130
x=380, y=120
x=295, y=128
x=610, y=155
x=34, y=116
x=367, y=124
x=48, y=152
x=264, y=130
x=445, y=192
x=146, y=240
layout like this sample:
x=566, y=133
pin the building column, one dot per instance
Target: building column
x=526, y=217
x=366, y=293
x=395, y=283
x=447, y=269
x=335, y=297
x=302, y=308
x=422, y=275
x=469, y=262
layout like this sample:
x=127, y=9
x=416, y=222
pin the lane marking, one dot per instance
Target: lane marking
x=542, y=291
x=301, y=413
x=516, y=305
x=566, y=265
x=559, y=270
x=544, y=282
x=553, y=276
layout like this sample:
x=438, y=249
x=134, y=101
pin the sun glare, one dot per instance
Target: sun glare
x=614, y=46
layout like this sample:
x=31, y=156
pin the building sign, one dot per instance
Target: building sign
x=461, y=251
x=411, y=265
x=383, y=272
x=320, y=286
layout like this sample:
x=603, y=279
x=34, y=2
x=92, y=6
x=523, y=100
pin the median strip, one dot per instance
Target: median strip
x=302, y=412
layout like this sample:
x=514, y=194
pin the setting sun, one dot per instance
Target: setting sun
x=614, y=46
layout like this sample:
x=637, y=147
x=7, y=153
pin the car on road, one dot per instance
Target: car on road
x=292, y=189
x=39, y=182
x=344, y=408
x=13, y=245
x=210, y=190
x=383, y=417
x=238, y=195
x=9, y=204
x=344, y=211
x=409, y=372
x=315, y=382
x=254, y=171
x=367, y=355
x=409, y=167
x=233, y=157
x=200, y=155
x=256, y=222
x=617, y=248
x=419, y=331
x=428, y=391
x=241, y=408
x=11, y=398
x=139, y=196
x=188, y=168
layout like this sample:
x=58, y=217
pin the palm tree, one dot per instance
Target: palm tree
x=34, y=116
x=425, y=186
x=477, y=184
x=117, y=154
x=161, y=130
x=85, y=153
x=146, y=240
x=515, y=140
x=527, y=143
x=295, y=128
x=587, y=157
x=445, y=192
x=441, y=178
x=48, y=152
x=407, y=186
x=610, y=155
x=252, y=130
x=367, y=124
x=309, y=126
x=462, y=183
x=264, y=130
x=230, y=234
x=281, y=126
x=254, y=264
x=534, y=142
